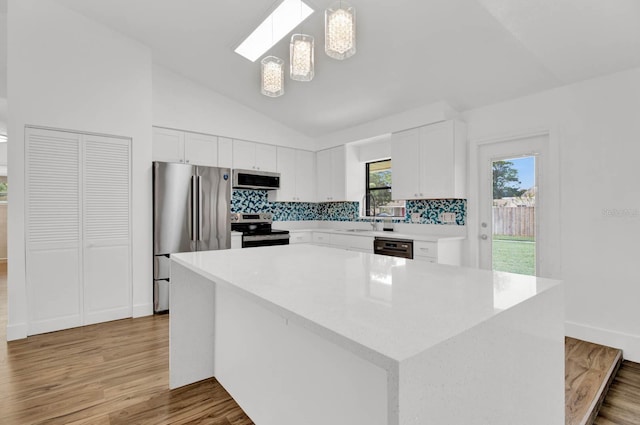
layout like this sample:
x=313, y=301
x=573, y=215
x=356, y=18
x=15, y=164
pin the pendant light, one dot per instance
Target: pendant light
x=340, y=30
x=301, y=51
x=272, y=76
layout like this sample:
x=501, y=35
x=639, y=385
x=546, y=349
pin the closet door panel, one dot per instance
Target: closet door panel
x=54, y=289
x=53, y=234
x=107, y=289
x=106, y=219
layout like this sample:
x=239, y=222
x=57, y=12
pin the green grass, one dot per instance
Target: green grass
x=514, y=254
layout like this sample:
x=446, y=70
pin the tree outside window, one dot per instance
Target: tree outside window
x=3, y=191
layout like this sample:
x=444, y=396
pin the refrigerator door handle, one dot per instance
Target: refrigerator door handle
x=200, y=224
x=194, y=209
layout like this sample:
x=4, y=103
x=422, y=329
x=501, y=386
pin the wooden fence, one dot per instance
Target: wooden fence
x=514, y=221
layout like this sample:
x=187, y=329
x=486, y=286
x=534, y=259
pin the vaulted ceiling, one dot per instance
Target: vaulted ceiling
x=467, y=53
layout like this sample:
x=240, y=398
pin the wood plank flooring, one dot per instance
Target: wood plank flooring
x=622, y=404
x=116, y=373
x=589, y=370
x=112, y=373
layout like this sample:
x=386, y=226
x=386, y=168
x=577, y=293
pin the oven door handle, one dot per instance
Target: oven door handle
x=254, y=238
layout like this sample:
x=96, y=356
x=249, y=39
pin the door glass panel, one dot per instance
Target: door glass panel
x=513, y=215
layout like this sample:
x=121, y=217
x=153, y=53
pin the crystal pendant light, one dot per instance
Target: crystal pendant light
x=272, y=76
x=340, y=30
x=301, y=57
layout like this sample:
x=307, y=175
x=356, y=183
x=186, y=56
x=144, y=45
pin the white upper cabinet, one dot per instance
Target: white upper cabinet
x=168, y=145
x=186, y=147
x=405, y=160
x=305, y=176
x=331, y=175
x=254, y=156
x=225, y=152
x=297, y=176
x=201, y=149
x=429, y=162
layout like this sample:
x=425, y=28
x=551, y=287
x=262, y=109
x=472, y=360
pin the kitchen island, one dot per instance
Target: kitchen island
x=302, y=334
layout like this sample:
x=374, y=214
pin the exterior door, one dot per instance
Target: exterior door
x=518, y=207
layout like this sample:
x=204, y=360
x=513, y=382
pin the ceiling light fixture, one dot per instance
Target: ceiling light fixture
x=272, y=76
x=301, y=50
x=288, y=15
x=340, y=30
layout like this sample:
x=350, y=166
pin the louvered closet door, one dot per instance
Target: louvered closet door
x=53, y=234
x=106, y=228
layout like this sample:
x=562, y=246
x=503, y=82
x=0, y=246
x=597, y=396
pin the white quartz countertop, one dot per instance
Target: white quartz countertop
x=391, y=235
x=388, y=308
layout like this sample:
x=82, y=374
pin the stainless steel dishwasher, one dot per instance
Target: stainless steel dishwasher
x=402, y=248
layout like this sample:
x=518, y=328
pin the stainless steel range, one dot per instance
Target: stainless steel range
x=256, y=230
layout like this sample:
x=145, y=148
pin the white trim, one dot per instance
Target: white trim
x=553, y=262
x=142, y=310
x=16, y=331
x=610, y=338
x=507, y=137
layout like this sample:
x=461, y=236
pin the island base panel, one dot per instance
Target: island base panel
x=191, y=327
x=507, y=370
x=283, y=374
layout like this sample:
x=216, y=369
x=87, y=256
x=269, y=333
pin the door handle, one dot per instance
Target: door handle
x=484, y=237
x=194, y=209
x=199, y=208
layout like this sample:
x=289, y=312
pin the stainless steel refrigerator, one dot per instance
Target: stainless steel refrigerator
x=191, y=212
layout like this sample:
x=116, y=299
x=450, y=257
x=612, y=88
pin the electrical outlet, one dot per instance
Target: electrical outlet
x=448, y=217
x=415, y=217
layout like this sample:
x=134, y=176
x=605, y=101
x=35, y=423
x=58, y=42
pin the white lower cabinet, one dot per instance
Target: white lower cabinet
x=236, y=240
x=359, y=243
x=321, y=238
x=442, y=252
x=78, y=229
x=299, y=237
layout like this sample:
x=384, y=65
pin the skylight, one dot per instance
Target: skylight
x=288, y=15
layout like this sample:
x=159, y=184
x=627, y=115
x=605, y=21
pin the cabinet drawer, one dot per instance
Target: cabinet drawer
x=425, y=249
x=322, y=238
x=425, y=259
x=299, y=237
x=361, y=243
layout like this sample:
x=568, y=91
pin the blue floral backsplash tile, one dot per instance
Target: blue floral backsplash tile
x=256, y=201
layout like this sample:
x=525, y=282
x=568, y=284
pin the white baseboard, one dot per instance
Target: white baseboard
x=628, y=343
x=141, y=310
x=16, y=331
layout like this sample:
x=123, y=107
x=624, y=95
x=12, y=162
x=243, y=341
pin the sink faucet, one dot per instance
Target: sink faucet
x=372, y=203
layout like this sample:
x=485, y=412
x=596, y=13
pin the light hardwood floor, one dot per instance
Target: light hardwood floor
x=110, y=373
x=117, y=373
x=622, y=404
x=589, y=370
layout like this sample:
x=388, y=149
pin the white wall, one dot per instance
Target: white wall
x=185, y=105
x=68, y=72
x=3, y=114
x=411, y=118
x=596, y=125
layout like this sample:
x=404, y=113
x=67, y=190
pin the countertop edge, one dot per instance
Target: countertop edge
x=388, y=363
